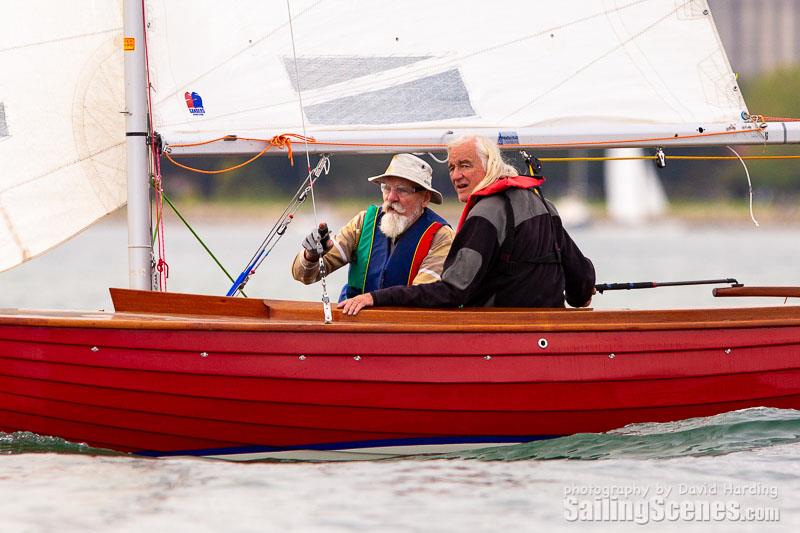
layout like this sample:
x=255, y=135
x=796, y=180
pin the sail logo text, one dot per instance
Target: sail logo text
x=195, y=103
x=507, y=137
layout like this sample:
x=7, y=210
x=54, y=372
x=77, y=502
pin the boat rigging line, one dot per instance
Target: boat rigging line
x=283, y=140
x=749, y=185
x=602, y=287
x=326, y=301
x=279, y=228
x=159, y=270
x=196, y=236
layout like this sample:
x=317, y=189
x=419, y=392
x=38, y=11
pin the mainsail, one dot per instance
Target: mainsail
x=376, y=74
x=383, y=70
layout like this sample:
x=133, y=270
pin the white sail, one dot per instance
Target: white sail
x=377, y=71
x=381, y=69
x=61, y=122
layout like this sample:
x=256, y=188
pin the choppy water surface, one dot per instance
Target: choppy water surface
x=736, y=471
x=745, y=461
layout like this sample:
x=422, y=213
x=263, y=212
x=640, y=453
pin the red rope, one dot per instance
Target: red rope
x=162, y=267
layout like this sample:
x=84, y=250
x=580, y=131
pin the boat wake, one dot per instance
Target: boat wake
x=27, y=442
x=736, y=431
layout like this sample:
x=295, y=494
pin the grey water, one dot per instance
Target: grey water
x=736, y=471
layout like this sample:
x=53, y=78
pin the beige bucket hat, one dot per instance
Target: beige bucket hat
x=414, y=169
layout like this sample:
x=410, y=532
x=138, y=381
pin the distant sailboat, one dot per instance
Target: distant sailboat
x=634, y=193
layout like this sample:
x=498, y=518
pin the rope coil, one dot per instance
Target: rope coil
x=283, y=140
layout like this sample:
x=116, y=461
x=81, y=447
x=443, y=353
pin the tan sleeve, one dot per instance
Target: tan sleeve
x=431, y=268
x=344, y=247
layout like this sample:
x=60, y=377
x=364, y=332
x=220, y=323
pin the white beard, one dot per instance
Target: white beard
x=394, y=224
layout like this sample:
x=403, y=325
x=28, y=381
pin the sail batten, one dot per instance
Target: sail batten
x=3, y=124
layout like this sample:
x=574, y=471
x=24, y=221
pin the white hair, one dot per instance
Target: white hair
x=490, y=156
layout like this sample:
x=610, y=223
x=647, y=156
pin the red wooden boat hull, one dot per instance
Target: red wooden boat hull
x=239, y=393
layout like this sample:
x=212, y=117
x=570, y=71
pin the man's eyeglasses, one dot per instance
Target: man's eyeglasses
x=401, y=190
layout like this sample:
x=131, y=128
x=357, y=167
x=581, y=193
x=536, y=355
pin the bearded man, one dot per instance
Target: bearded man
x=402, y=242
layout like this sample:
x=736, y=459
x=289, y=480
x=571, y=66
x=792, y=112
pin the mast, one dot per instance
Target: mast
x=140, y=251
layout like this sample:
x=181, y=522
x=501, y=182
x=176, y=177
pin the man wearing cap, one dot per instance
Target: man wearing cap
x=510, y=249
x=402, y=242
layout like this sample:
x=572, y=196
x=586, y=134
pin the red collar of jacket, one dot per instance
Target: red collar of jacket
x=503, y=183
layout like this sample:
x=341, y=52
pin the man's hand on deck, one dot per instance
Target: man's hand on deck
x=352, y=306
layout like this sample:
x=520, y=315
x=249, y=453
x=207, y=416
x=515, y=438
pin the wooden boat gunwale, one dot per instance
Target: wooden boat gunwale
x=173, y=311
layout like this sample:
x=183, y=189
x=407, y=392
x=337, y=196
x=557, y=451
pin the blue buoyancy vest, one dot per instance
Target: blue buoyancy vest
x=375, y=267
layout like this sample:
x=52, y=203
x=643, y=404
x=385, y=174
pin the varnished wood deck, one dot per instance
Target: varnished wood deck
x=172, y=311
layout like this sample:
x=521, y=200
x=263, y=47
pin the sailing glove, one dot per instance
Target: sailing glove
x=321, y=234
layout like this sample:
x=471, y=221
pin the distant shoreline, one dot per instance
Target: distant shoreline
x=701, y=213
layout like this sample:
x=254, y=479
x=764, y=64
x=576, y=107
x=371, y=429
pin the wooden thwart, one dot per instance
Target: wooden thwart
x=133, y=301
